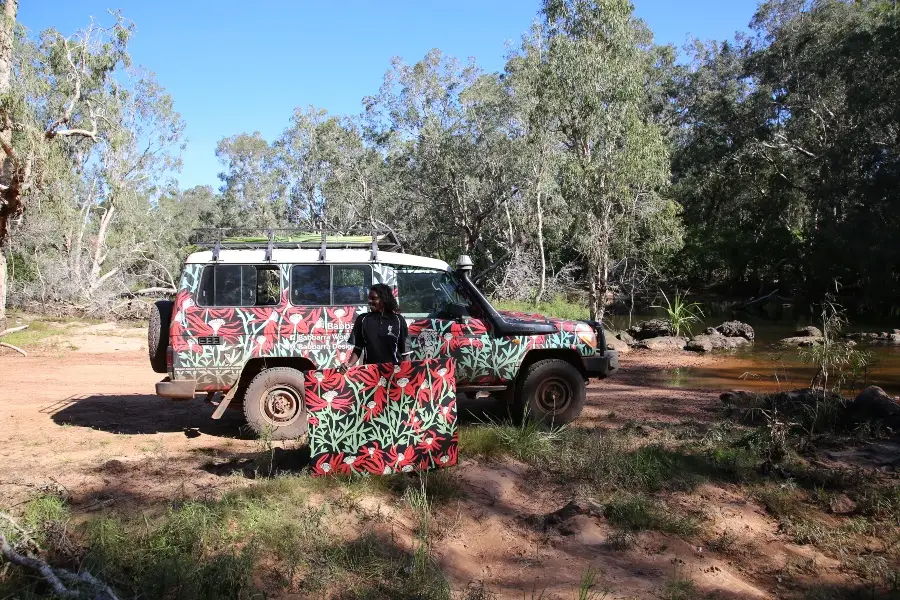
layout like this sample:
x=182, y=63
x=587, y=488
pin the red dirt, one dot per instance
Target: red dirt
x=92, y=424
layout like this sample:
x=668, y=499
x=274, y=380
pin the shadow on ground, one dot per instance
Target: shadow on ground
x=135, y=414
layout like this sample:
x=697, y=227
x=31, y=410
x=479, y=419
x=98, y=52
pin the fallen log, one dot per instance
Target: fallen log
x=11, y=347
x=13, y=330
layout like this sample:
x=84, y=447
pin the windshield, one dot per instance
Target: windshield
x=430, y=292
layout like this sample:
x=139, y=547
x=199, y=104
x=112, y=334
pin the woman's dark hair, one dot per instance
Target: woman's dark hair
x=387, y=298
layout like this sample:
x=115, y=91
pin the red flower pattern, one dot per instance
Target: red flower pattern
x=427, y=423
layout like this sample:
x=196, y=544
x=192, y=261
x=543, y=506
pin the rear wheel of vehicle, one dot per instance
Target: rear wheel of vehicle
x=158, y=334
x=274, y=406
x=552, y=391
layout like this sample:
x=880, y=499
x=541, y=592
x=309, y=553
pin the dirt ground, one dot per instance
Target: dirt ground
x=88, y=420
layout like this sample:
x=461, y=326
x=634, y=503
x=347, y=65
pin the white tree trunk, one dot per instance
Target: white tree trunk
x=3, y=323
x=540, y=231
x=7, y=31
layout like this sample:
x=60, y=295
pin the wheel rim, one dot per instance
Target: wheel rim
x=282, y=405
x=554, y=395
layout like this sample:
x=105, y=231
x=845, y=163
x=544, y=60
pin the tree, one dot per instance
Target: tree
x=253, y=194
x=53, y=111
x=594, y=84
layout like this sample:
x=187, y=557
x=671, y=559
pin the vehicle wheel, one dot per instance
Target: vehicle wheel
x=274, y=405
x=158, y=334
x=553, y=392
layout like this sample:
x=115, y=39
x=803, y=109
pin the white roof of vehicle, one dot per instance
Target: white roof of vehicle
x=311, y=256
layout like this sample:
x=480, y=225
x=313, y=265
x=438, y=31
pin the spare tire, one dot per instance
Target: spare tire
x=158, y=334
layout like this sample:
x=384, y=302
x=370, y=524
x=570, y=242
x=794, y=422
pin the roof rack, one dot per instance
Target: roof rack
x=227, y=238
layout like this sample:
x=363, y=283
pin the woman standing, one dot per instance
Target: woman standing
x=379, y=336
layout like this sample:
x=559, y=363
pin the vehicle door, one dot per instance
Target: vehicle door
x=445, y=323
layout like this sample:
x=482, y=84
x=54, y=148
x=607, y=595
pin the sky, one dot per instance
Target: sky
x=234, y=67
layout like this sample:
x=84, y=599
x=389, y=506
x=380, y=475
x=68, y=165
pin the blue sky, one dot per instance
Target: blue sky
x=236, y=67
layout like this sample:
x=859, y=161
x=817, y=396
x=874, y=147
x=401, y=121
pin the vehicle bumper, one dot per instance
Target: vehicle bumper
x=601, y=365
x=182, y=389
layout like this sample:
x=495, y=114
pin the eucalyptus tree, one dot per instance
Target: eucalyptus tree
x=615, y=167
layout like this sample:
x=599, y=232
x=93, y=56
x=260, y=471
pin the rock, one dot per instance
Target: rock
x=808, y=331
x=558, y=517
x=894, y=338
x=623, y=335
x=739, y=398
x=851, y=343
x=872, y=404
x=842, y=505
x=708, y=343
x=736, y=329
x=614, y=343
x=802, y=341
x=663, y=343
x=895, y=331
x=651, y=329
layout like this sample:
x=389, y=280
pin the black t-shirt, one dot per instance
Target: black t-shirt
x=382, y=336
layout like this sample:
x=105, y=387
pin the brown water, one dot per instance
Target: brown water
x=767, y=366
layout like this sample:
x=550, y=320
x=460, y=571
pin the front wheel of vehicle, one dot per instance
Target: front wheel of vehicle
x=553, y=392
x=274, y=405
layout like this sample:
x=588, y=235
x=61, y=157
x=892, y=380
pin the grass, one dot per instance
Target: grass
x=639, y=512
x=557, y=307
x=218, y=549
x=37, y=332
x=681, y=314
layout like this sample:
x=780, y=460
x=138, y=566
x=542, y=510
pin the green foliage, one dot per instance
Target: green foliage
x=681, y=314
x=767, y=149
x=557, y=307
x=839, y=363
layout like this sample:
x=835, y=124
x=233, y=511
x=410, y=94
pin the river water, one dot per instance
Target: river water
x=766, y=365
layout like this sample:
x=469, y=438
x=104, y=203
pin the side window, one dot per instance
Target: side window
x=311, y=285
x=239, y=285
x=350, y=284
x=426, y=292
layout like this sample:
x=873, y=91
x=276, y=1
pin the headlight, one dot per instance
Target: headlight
x=586, y=334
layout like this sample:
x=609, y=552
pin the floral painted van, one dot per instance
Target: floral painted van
x=253, y=314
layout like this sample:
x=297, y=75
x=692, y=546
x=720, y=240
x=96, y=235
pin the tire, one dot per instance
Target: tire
x=552, y=391
x=158, y=334
x=274, y=406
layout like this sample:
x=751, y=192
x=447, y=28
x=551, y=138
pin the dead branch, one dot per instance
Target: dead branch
x=55, y=577
x=155, y=290
x=13, y=330
x=22, y=532
x=11, y=347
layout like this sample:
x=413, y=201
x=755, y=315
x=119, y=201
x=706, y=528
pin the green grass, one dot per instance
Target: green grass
x=639, y=512
x=557, y=307
x=218, y=549
x=37, y=332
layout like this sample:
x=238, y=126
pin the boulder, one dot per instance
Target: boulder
x=618, y=345
x=873, y=403
x=802, y=341
x=623, y=335
x=708, y=343
x=808, y=331
x=842, y=505
x=736, y=329
x=663, y=343
x=894, y=338
x=651, y=329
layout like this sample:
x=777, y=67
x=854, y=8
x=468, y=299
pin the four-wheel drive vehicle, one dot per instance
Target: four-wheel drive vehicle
x=252, y=314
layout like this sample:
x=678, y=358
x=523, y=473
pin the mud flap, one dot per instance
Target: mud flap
x=383, y=418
